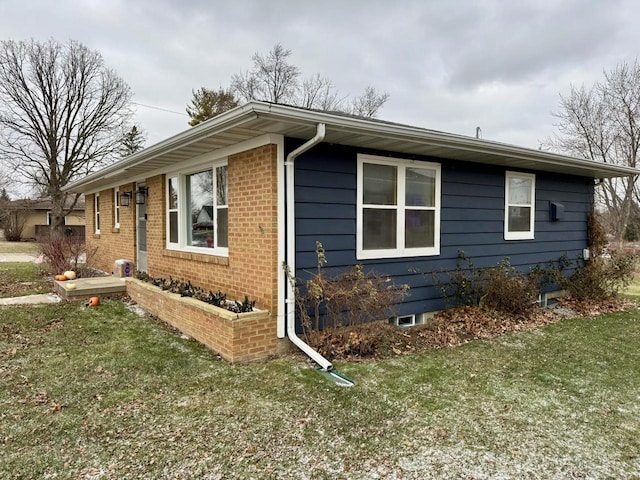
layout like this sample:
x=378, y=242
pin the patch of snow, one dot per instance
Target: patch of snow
x=135, y=308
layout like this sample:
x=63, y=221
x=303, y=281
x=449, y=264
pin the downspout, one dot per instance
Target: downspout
x=291, y=248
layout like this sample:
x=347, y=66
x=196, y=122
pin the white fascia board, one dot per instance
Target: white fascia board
x=232, y=118
x=436, y=138
x=207, y=158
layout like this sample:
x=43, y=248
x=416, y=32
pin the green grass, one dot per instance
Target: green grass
x=633, y=289
x=22, y=278
x=19, y=247
x=104, y=393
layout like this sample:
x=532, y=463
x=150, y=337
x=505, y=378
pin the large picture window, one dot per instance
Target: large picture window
x=197, y=205
x=519, y=209
x=398, y=208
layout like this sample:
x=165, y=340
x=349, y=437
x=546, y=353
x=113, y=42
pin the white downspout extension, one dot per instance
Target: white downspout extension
x=291, y=249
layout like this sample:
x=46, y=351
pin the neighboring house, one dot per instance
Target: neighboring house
x=273, y=180
x=36, y=215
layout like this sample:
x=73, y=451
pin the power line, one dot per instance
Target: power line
x=161, y=109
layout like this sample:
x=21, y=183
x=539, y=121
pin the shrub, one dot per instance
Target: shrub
x=13, y=222
x=351, y=298
x=511, y=292
x=464, y=286
x=500, y=288
x=597, y=234
x=68, y=253
x=601, y=277
x=186, y=289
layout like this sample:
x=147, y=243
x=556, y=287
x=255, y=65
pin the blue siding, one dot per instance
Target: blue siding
x=472, y=220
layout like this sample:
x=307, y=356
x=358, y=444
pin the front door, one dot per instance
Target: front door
x=141, y=234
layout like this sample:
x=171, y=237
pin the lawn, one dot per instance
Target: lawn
x=22, y=278
x=106, y=393
x=19, y=247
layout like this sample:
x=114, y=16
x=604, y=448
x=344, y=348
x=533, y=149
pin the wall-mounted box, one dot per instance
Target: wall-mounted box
x=556, y=211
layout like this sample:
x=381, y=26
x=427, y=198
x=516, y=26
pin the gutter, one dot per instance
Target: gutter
x=291, y=249
x=435, y=138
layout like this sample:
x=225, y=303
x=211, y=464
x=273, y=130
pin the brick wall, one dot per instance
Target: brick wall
x=251, y=267
x=112, y=243
x=238, y=338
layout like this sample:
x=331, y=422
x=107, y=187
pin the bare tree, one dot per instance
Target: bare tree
x=320, y=93
x=368, y=104
x=62, y=115
x=602, y=123
x=274, y=79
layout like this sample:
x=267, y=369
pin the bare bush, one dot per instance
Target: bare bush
x=510, y=292
x=13, y=222
x=351, y=298
x=68, y=253
x=601, y=278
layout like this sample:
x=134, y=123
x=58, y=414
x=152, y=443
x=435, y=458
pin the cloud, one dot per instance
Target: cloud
x=450, y=66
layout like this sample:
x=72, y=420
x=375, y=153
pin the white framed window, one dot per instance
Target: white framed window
x=172, y=211
x=519, y=206
x=116, y=207
x=197, y=210
x=96, y=212
x=398, y=209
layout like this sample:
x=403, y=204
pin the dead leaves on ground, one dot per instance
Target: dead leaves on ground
x=42, y=399
x=450, y=328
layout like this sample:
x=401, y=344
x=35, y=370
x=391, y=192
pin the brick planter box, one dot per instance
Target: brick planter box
x=237, y=337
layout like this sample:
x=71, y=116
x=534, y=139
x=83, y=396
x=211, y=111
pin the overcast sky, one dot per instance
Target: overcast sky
x=447, y=65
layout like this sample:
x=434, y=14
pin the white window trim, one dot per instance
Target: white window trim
x=172, y=245
x=116, y=207
x=96, y=213
x=529, y=235
x=183, y=212
x=398, y=252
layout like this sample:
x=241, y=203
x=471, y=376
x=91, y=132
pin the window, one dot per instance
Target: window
x=398, y=208
x=172, y=209
x=197, y=211
x=116, y=207
x=519, y=209
x=96, y=210
x=50, y=219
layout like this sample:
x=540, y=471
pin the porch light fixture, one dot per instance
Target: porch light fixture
x=141, y=195
x=125, y=198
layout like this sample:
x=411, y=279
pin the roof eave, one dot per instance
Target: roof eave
x=287, y=119
x=229, y=119
x=444, y=139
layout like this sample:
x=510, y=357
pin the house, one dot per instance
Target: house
x=36, y=217
x=274, y=179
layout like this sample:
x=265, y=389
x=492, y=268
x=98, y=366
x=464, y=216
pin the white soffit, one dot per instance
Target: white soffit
x=259, y=118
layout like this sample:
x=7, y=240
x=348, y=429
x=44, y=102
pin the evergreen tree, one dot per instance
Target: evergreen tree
x=207, y=104
x=132, y=141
